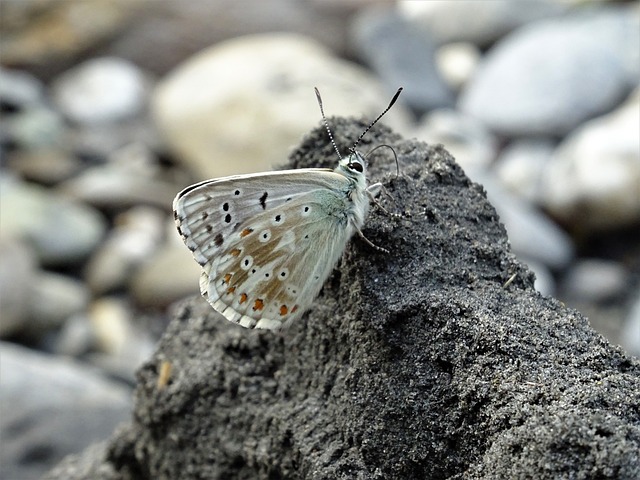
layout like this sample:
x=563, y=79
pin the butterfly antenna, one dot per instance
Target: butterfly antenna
x=395, y=155
x=326, y=124
x=393, y=100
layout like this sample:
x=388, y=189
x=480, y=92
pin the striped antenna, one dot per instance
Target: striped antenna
x=393, y=100
x=326, y=124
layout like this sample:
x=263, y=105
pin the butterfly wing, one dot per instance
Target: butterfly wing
x=266, y=242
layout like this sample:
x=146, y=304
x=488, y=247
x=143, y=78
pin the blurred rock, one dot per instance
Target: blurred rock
x=130, y=177
x=101, y=90
x=630, y=337
x=33, y=300
x=54, y=298
x=19, y=90
x=169, y=275
x=17, y=272
x=61, y=231
x=545, y=283
x=593, y=179
x=401, y=56
x=480, y=23
x=51, y=408
x=111, y=319
x=76, y=337
x=102, y=142
x=521, y=165
x=550, y=76
x=35, y=127
x=121, y=345
x=532, y=235
x=43, y=35
x=132, y=241
x=190, y=22
x=472, y=145
x=46, y=166
x=457, y=62
x=595, y=280
x=238, y=107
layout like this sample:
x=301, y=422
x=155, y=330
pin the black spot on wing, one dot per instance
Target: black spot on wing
x=219, y=240
x=263, y=200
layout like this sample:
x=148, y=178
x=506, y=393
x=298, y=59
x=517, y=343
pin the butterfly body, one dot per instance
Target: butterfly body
x=268, y=241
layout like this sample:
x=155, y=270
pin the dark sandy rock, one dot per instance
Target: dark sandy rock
x=416, y=364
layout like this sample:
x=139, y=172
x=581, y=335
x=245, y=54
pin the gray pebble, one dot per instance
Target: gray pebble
x=101, y=90
x=548, y=77
x=52, y=407
x=60, y=231
x=401, y=55
x=595, y=280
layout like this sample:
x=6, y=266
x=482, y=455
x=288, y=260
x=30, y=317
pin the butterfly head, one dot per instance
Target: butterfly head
x=353, y=166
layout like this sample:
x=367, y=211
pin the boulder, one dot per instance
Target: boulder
x=436, y=360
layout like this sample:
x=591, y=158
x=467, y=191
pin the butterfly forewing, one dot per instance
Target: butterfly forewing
x=265, y=246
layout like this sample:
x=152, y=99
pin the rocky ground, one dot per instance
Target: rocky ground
x=104, y=120
x=426, y=362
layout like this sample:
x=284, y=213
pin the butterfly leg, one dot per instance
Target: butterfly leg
x=369, y=242
x=373, y=191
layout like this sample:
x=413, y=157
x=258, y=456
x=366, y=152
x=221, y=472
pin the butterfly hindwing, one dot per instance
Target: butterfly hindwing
x=266, y=246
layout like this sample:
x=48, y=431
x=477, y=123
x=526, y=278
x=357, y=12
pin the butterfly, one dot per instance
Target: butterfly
x=268, y=241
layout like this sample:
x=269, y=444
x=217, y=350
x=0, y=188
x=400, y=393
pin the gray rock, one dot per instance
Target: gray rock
x=51, y=408
x=480, y=23
x=60, y=231
x=592, y=181
x=75, y=338
x=544, y=283
x=35, y=128
x=133, y=241
x=401, y=56
x=54, y=298
x=19, y=90
x=548, y=77
x=33, y=300
x=415, y=364
x=129, y=179
x=532, y=234
x=595, y=280
x=17, y=271
x=47, y=36
x=521, y=166
x=101, y=90
x=263, y=102
x=468, y=140
x=630, y=337
x=46, y=166
x=121, y=345
x=457, y=63
x=167, y=276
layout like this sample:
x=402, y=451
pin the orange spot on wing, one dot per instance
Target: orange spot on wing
x=246, y=232
x=283, y=310
x=231, y=289
x=235, y=252
x=258, y=304
x=227, y=278
x=243, y=297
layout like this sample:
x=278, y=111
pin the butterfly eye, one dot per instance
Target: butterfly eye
x=356, y=166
